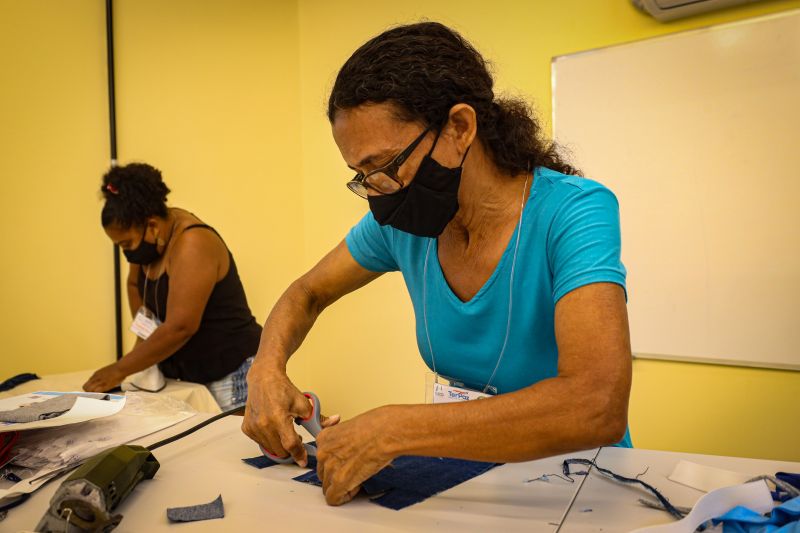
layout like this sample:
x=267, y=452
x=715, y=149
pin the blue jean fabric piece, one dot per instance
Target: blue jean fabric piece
x=194, y=513
x=262, y=461
x=412, y=479
x=19, y=379
x=408, y=480
x=788, y=477
x=780, y=495
x=783, y=519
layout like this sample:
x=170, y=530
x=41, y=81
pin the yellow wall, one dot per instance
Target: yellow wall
x=208, y=93
x=56, y=280
x=363, y=352
x=227, y=98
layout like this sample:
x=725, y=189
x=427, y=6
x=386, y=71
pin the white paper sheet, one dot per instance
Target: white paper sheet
x=83, y=410
x=706, y=478
x=43, y=453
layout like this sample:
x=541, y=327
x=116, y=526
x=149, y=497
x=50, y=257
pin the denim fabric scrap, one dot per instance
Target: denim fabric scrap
x=194, y=513
x=262, y=461
x=408, y=480
x=790, y=478
x=412, y=479
x=19, y=379
x=781, y=494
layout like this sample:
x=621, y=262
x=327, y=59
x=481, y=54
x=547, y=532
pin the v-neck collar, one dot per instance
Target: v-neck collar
x=440, y=278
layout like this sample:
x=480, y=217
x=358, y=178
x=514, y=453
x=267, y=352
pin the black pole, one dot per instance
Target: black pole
x=112, y=125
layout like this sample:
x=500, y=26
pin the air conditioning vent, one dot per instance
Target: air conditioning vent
x=665, y=10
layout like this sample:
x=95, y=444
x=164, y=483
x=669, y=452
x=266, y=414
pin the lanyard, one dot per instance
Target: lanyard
x=510, y=296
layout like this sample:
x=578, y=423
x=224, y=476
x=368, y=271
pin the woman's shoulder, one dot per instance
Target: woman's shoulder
x=566, y=184
x=194, y=236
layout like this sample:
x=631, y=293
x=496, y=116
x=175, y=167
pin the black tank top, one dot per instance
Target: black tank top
x=228, y=332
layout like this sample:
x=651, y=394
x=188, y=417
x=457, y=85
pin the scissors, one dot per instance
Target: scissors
x=313, y=425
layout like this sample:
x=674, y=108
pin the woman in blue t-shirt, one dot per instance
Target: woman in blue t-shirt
x=511, y=260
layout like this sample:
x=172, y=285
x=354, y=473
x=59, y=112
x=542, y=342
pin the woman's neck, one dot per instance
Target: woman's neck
x=489, y=200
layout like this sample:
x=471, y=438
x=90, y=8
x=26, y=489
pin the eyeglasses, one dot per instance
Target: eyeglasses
x=384, y=180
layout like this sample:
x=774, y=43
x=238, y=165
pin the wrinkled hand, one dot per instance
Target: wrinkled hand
x=104, y=379
x=273, y=403
x=350, y=453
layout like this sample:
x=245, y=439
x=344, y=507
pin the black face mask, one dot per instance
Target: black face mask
x=426, y=205
x=144, y=254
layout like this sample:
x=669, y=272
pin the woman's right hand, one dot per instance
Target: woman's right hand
x=273, y=403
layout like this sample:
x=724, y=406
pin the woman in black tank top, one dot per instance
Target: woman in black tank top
x=189, y=307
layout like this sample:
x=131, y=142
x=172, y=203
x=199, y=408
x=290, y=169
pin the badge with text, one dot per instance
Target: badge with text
x=448, y=394
x=144, y=323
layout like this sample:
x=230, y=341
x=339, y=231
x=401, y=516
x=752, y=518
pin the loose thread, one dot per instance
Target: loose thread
x=546, y=477
x=671, y=509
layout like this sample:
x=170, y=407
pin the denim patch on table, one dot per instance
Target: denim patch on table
x=194, y=513
x=262, y=461
x=411, y=479
x=781, y=494
x=790, y=478
x=408, y=480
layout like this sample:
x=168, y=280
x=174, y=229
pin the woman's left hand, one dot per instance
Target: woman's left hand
x=351, y=452
x=104, y=379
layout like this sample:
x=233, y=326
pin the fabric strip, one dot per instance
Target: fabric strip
x=194, y=513
x=19, y=379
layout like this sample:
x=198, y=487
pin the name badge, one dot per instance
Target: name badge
x=144, y=323
x=448, y=394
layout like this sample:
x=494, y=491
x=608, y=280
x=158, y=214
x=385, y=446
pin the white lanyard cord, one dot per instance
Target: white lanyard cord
x=510, y=294
x=510, y=288
x=147, y=273
x=425, y=303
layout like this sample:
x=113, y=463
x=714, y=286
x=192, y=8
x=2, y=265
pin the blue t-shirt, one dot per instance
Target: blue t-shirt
x=570, y=237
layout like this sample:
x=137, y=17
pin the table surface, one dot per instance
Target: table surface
x=194, y=394
x=604, y=505
x=208, y=463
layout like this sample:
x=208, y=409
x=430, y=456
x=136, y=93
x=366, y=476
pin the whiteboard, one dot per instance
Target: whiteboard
x=698, y=134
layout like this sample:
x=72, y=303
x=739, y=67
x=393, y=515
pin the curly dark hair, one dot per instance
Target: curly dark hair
x=133, y=193
x=426, y=68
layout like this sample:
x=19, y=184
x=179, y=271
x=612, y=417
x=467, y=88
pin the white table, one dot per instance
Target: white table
x=194, y=394
x=207, y=463
x=614, y=506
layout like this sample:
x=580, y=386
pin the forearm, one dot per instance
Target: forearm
x=165, y=341
x=555, y=416
x=286, y=327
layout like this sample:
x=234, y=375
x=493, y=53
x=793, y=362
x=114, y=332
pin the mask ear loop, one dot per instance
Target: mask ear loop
x=436, y=140
x=465, y=156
